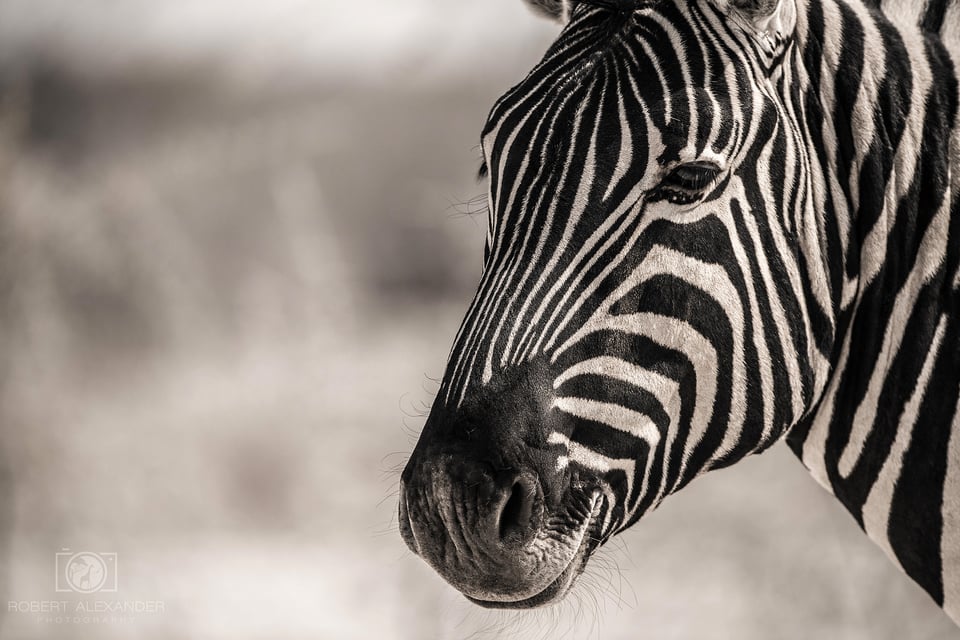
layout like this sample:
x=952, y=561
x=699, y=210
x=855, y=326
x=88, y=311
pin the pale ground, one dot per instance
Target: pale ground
x=223, y=302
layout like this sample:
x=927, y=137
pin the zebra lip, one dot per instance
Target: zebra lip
x=557, y=589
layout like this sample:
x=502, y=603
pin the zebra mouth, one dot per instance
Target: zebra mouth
x=587, y=543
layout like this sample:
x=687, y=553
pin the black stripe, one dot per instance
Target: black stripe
x=916, y=518
x=934, y=15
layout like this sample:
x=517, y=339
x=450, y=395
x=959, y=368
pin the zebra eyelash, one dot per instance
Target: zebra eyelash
x=483, y=171
x=687, y=183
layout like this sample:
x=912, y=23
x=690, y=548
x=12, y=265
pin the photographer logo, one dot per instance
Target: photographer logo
x=86, y=572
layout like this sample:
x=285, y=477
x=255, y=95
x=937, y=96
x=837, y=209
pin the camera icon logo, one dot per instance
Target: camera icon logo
x=86, y=572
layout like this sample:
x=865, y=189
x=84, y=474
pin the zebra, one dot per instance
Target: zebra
x=712, y=225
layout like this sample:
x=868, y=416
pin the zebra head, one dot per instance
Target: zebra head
x=652, y=303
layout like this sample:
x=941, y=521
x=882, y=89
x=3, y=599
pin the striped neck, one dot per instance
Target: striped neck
x=885, y=98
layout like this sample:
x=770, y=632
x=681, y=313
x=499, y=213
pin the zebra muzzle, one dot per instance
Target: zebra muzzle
x=491, y=534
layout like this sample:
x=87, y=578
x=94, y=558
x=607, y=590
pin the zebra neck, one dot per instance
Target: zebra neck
x=885, y=435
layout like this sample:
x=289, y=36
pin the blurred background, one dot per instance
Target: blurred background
x=236, y=239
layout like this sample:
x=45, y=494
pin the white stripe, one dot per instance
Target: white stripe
x=558, y=439
x=663, y=388
x=626, y=159
x=679, y=45
x=619, y=417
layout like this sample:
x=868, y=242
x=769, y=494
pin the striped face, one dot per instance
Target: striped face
x=643, y=311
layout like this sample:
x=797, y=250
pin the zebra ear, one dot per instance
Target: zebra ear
x=556, y=9
x=773, y=21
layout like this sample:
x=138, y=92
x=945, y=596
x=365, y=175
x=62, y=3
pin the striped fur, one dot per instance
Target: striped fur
x=808, y=291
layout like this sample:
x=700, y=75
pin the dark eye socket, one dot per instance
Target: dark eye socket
x=686, y=183
x=693, y=176
x=483, y=171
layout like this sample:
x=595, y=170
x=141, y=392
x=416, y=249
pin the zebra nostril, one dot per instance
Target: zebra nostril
x=516, y=512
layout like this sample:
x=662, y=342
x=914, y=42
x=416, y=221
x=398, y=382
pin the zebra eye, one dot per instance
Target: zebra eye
x=686, y=183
